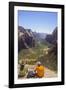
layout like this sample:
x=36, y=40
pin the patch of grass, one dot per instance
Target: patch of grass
x=22, y=74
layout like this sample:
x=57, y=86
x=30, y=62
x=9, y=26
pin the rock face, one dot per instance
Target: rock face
x=53, y=37
x=53, y=40
x=25, y=38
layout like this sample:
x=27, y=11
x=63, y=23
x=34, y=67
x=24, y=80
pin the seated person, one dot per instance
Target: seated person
x=38, y=72
x=39, y=69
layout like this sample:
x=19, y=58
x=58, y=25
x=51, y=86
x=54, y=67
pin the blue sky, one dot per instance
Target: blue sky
x=38, y=21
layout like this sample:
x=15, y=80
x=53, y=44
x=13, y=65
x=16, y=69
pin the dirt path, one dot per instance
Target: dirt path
x=49, y=73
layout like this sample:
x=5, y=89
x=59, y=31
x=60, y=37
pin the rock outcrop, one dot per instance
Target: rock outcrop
x=25, y=38
x=52, y=38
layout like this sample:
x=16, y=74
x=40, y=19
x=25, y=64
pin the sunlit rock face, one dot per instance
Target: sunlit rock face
x=25, y=38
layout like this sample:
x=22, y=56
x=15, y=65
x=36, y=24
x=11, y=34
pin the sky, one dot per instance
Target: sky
x=38, y=21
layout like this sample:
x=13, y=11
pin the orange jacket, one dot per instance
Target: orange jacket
x=40, y=71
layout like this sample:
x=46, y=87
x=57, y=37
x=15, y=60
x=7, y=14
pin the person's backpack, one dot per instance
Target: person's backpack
x=30, y=74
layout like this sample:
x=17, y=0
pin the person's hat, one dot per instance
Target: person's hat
x=38, y=63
